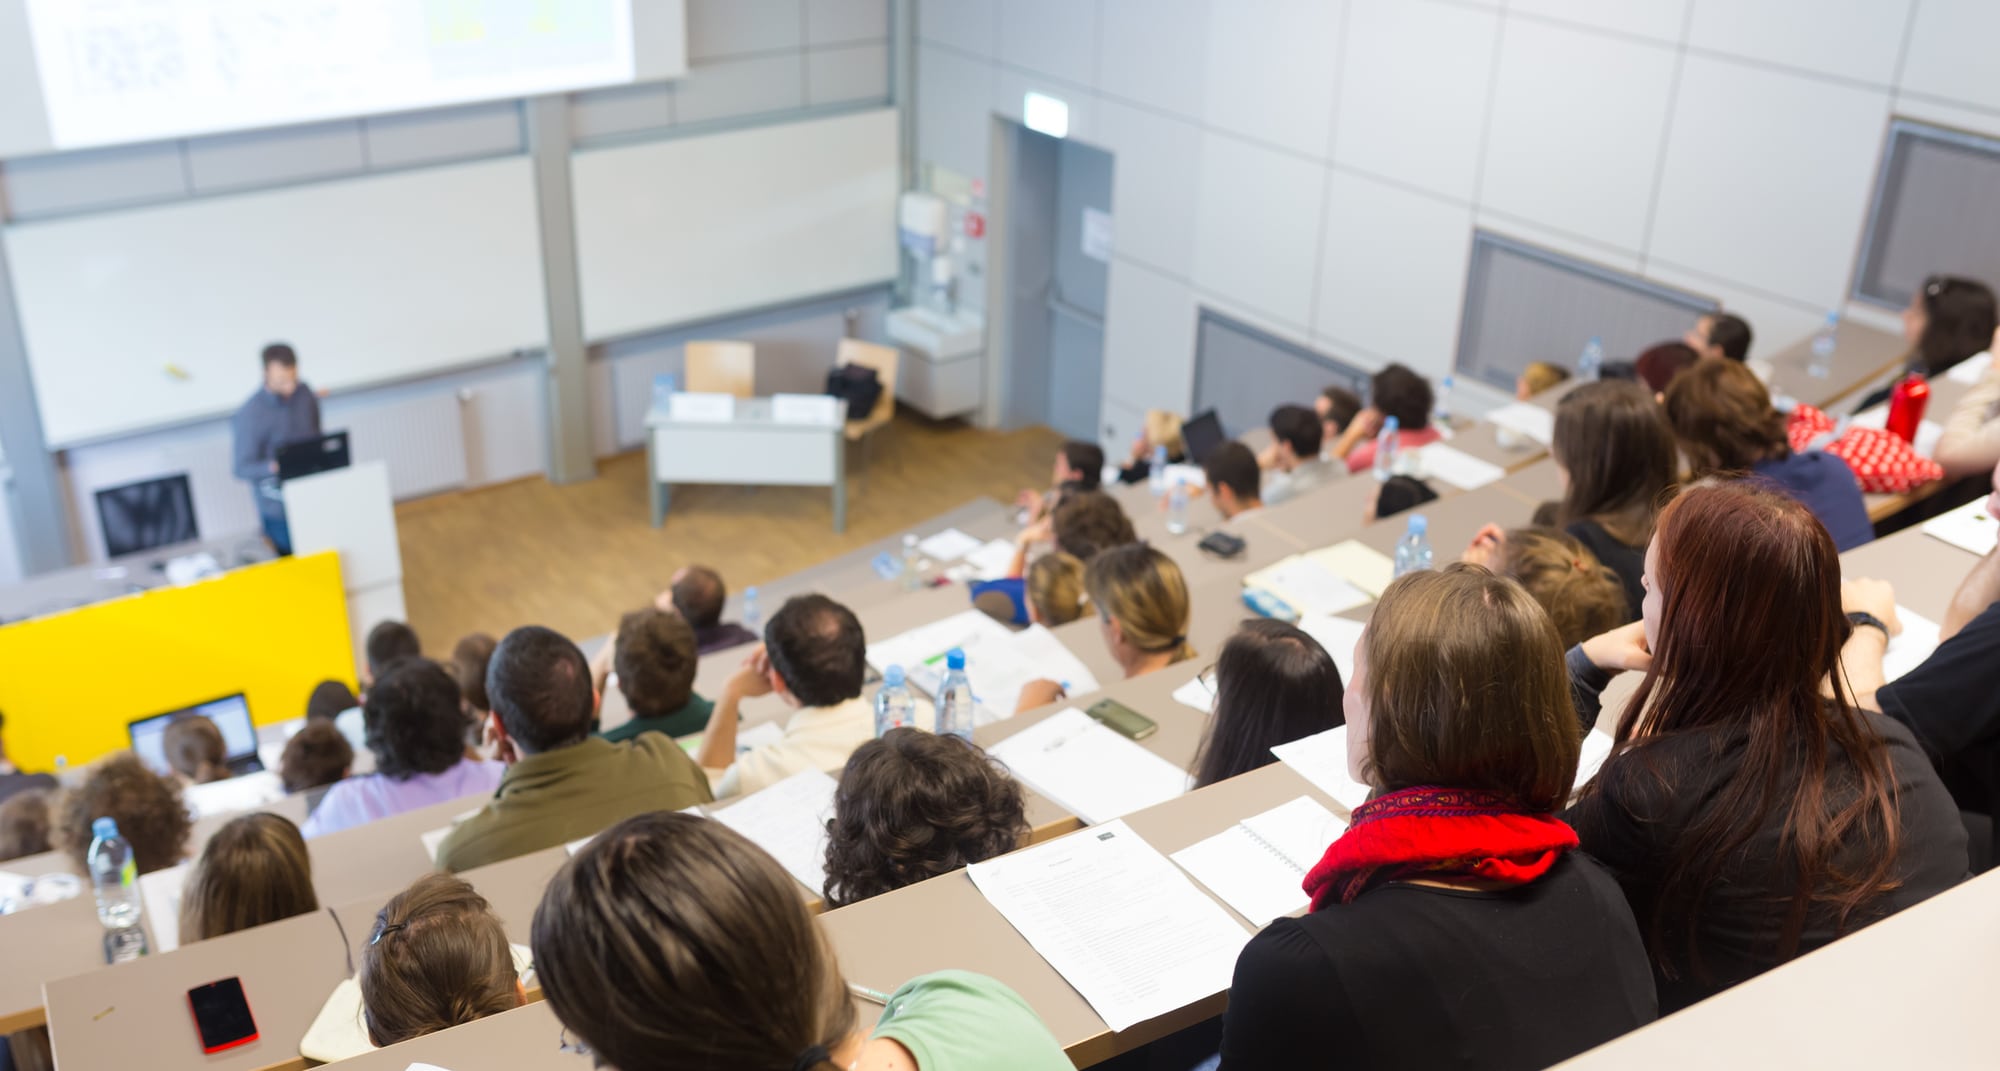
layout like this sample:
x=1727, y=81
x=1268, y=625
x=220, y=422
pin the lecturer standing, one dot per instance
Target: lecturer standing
x=284, y=411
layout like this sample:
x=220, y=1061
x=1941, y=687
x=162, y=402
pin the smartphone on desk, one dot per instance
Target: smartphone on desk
x=1122, y=719
x=222, y=1015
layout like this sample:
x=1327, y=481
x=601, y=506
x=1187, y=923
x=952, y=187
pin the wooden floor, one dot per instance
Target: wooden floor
x=575, y=557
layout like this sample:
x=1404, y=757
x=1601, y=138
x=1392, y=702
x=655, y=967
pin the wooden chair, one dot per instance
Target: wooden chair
x=716, y=367
x=884, y=360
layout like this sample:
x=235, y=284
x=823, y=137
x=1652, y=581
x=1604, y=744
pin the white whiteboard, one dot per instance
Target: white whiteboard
x=370, y=279
x=676, y=231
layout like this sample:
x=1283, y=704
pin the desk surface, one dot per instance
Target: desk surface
x=757, y=413
x=1862, y=354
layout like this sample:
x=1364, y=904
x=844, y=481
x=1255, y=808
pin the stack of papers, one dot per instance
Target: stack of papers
x=949, y=545
x=1307, y=586
x=789, y=821
x=1322, y=760
x=998, y=662
x=1969, y=528
x=1258, y=866
x=1117, y=921
x=1908, y=649
x=1087, y=769
x=1456, y=467
x=1522, y=418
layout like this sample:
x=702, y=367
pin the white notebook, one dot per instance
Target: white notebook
x=788, y=820
x=1322, y=759
x=1089, y=770
x=1258, y=866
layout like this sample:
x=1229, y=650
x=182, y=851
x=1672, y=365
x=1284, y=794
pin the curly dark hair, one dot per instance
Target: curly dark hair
x=149, y=810
x=912, y=805
x=411, y=720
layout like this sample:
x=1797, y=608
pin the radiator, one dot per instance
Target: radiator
x=421, y=435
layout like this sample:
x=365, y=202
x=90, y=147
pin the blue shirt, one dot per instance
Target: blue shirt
x=266, y=422
x=1827, y=487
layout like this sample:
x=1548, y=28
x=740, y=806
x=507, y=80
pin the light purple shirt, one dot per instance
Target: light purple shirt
x=359, y=800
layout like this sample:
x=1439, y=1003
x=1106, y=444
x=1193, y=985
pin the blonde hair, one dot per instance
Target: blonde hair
x=1582, y=596
x=1541, y=375
x=253, y=871
x=1143, y=590
x=437, y=958
x=1055, y=589
x=1164, y=429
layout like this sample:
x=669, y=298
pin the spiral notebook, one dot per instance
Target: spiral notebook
x=1258, y=866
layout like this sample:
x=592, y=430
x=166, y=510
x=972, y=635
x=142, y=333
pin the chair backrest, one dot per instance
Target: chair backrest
x=884, y=360
x=715, y=367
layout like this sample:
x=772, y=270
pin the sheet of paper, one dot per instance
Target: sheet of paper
x=436, y=836
x=759, y=735
x=1971, y=369
x=1533, y=421
x=921, y=650
x=805, y=409
x=1300, y=830
x=1908, y=649
x=1338, y=635
x=160, y=897
x=707, y=408
x=1359, y=564
x=1192, y=475
x=1088, y=769
x=991, y=560
x=998, y=662
x=1117, y=920
x=1596, y=748
x=788, y=820
x=1928, y=432
x=245, y=792
x=1258, y=866
x=1196, y=693
x=1458, y=468
x=1308, y=586
x=1322, y=760
x=1969, y=528
x=949, y=545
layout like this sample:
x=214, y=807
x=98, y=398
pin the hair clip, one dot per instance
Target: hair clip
x=386, y=931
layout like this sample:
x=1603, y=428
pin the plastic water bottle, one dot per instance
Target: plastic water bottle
x=1156, y=475
x=1441, y=415
x=1177, y=505
x=1590, y=365
x=1413, y=551
x=895, y=708
x=1823, y=345
x=114, y=878
x=913, y=561
x=1385, y=448
x=954, y=698
x=753, y=619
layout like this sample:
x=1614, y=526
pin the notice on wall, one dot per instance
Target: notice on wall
x=1097, y=234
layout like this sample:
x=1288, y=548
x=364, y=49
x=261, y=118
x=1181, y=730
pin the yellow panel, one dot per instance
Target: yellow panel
x=72, y=682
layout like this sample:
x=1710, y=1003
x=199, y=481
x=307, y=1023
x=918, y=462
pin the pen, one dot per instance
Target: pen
x=866, y=993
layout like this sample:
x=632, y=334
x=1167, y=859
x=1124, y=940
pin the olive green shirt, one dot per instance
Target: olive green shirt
x=578, y=791
x=691, y=718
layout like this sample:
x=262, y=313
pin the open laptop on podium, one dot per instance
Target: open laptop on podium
x=309, y=456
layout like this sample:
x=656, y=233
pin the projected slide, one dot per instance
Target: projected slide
x=132, y=70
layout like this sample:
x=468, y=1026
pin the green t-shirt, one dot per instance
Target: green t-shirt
x=690, y=718
x=960, y=1021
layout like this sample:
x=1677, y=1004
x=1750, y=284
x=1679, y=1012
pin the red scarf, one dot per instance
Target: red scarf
x=1439, y=833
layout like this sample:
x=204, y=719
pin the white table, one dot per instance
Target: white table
x=752, y=447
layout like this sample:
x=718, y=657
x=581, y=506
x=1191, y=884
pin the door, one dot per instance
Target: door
x=1058, y=268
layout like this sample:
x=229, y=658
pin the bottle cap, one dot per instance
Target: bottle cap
x=1419, y=524
x=892, y=677
x=1391, y=424
x=104, y=828
x=954, y=659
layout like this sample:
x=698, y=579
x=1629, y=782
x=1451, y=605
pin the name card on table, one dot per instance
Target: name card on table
x=706, y=408
x=805, y=409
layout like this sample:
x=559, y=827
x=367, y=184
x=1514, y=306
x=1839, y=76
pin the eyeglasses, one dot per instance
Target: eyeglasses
x=565, y=1043
x=1207, y=679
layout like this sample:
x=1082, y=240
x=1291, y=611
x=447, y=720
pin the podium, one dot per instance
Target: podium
x=350, y=511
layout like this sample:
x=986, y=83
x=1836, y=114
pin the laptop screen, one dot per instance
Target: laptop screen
x=231, y=714
x=1201, y=434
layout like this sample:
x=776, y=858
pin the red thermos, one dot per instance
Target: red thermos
x=1906, y=407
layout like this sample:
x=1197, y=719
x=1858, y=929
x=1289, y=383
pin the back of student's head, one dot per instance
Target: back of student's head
x=388, y=642
x=1397, y=391
x=1661, y=364
x=1163, y=428
x=1299, y=428
x=654, y=655
x=1959, y=319
x=1086, y=522
x=913, y=805
x=1086, y=464
x=254, y=870
x=540, y=687
x=670, y=943
x=1724, y=419
x=1141, y=589
x=817, y=647
x=316, y=755
x=1232, y=465
x=1731, y=334
x=1055, y=589
x=25, y=819
x=1399, y=493
x=329, y=699
x=1618, y=451
x=698, y=595
x=436, y=958
x=412, y=721
x=1340, y=407
x=1539, y=376
x=195, y=749
x=148, y=808
x=1583, y=597
x=1463, y=682
x=470, y=657
x=1273, y=684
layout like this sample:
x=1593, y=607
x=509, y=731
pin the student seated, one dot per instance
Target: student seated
x=654, y=660
x=698, y=595
x=388, y=642
x=24, y=823
x=469, y=658
x=1273, y=684
x=1949, y=319
x=12, y=778
x=913, y=805
x=1537, y=377
x=672, y=943
x=1079, y=466
x=416, y=732
x=561, y=782
x=1235, y=483
x=195, y=750
x=1581, y=596
x=1055, y=591
x=1081, y=524
x=814, y=658
x=1142, y=609
x=254, y=870
x=1337, y=407
x=437, y=958
x=317, y=755
x=1162, y=429
x=1750, y=815
x=1398, y=392
x=1727, y=426
x=1455, y=914
x=148, y=808
x=329, y=700
x=1720, y=336
x=1660, y=365
x=1295, y=465
x=1397, y=494
x=1970, y=445
x=1617, y=461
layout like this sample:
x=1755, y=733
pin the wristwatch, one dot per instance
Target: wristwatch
x=1864, y=619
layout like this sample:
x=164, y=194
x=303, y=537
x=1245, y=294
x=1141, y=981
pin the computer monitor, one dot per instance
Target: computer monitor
x=309, y=456
x=1201, y=434
x=138, y=517
x=231, y=714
